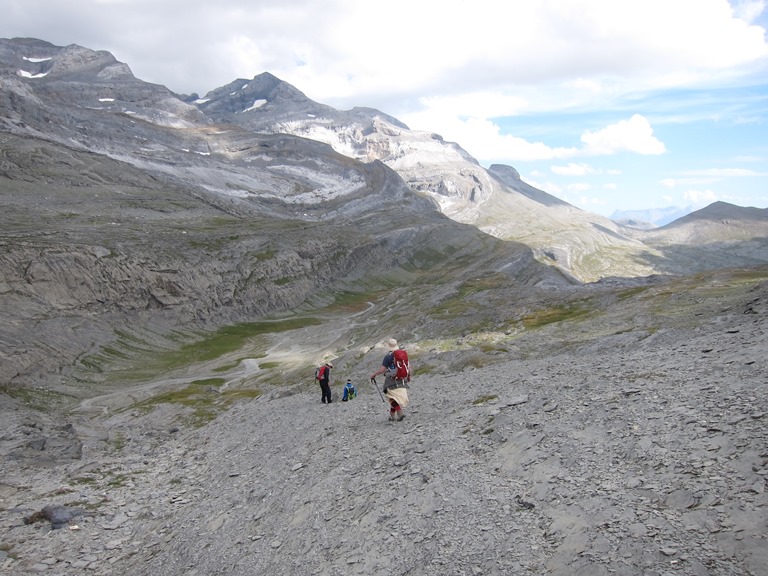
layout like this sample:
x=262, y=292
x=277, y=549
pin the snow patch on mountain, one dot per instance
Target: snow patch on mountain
x=256, y=105
x=25, y=74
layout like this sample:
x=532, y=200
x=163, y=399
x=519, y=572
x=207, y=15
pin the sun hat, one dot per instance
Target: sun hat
x=329, y=365
x=392, y=344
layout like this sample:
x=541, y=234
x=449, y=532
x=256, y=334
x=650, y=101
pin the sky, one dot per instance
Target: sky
x=610, y=105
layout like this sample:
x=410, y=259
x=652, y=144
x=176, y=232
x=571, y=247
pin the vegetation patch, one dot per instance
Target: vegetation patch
x=208, y=346
x=631, y=292
x=40, y=399
x=553, y=315
x=492, y=348
x=452, y=308
x=118, y=442
x=118, y=480
x=423, y=369
x=201, y=403
x=492, y=281
x=484, y=399
x=461, y=303
x=83, y=480
x=209, y=382
x=266, y=255
x=106, y=478
x=479, y=361
x=8, y=549
x=351, y=302
x=428, y=258
x=232, y=338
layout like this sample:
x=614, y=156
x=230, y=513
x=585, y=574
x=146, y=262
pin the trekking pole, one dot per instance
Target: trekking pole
x=373, y=380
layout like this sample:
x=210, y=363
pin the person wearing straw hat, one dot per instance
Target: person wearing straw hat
x=395, y=390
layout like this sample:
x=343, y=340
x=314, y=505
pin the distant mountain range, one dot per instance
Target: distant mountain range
x=650, y=217
x=496, y=200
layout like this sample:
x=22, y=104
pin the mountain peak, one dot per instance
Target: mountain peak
x=40, y=60
x=724, y=212
x=263, y=91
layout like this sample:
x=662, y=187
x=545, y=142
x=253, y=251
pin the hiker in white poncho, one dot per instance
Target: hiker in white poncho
x=395, y=384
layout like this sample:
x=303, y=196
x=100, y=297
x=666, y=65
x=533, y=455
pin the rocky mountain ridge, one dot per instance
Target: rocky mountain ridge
x=495, y=200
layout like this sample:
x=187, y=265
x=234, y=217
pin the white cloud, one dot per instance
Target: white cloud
x=550, y=187
x=674, y=182
x=573, y=169
x=727, y=172
x=748, y=10
x=633, y=135
x=483, y=139
x=343, y=53
x=492, y=104
x=709, y=175
x=590, y=201
x=751, y=159
x=578, y=187
x=700, y=197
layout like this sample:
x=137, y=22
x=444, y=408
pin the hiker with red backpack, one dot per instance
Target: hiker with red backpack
x=323, y=376
x=397, y=371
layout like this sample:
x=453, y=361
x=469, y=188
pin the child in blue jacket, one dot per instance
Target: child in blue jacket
x=349, y=391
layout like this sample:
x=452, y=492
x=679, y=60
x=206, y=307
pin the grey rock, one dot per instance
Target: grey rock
x=58, y=515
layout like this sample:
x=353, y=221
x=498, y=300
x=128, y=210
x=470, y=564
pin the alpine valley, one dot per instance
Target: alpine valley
x=589, y=396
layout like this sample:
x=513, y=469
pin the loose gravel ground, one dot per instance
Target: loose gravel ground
x=643, y=450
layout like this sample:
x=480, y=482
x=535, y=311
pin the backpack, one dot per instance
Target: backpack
x=402, y=366
x=319, y=372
